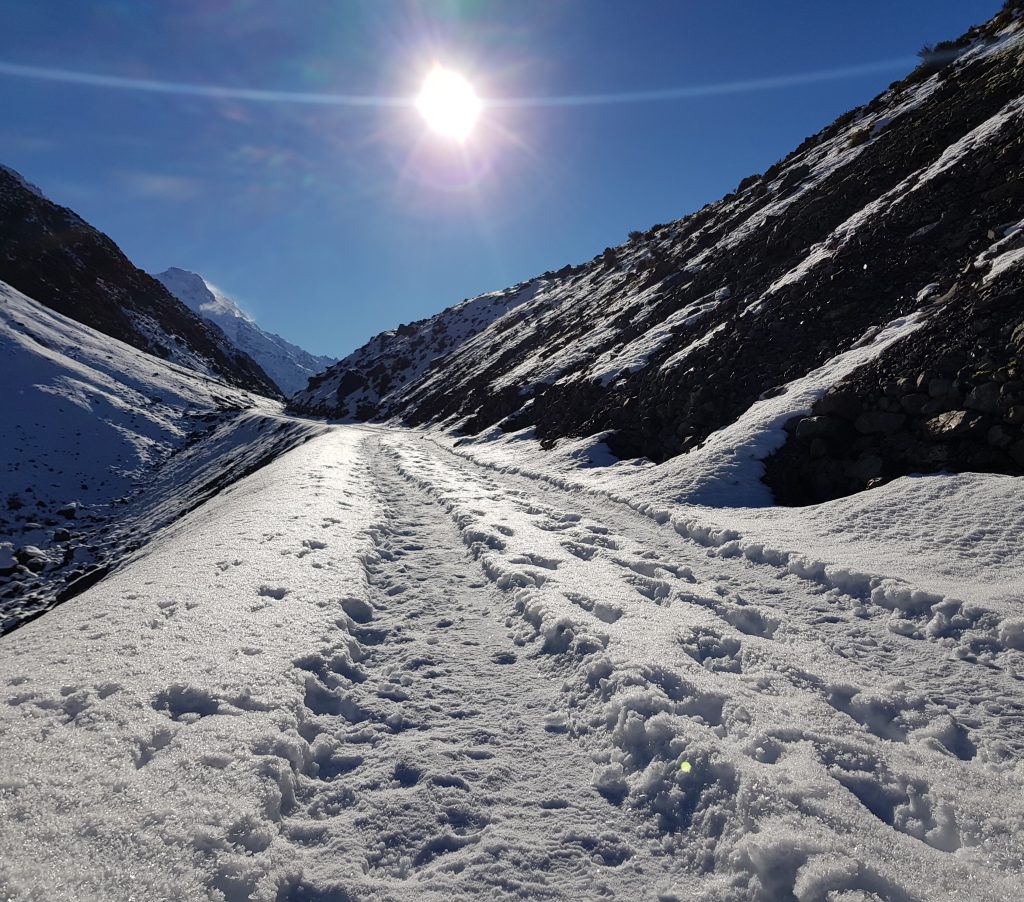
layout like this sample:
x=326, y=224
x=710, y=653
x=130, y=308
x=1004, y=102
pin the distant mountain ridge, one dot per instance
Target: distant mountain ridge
x=55, y=257
x=287, y=364
x=911, y=205
x=369, y=382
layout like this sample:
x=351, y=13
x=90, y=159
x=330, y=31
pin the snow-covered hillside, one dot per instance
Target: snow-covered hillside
x=103, y=444
x=911, y=204
x=55, y=257
x=370, y=382
x=288, y=365
x=399, y=665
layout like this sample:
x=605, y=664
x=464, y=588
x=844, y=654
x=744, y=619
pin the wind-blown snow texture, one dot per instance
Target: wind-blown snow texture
x=288, y=365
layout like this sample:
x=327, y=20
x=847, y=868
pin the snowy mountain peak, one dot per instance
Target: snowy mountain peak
x=287, y=364
x=56, y=258
x=201, y=296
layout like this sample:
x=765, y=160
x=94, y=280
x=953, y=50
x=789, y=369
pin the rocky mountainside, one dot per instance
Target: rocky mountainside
x=52, y=255
x=288, y=365
x=371, y=381
x=909, y=205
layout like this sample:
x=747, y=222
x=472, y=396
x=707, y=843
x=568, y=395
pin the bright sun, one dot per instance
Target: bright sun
x=449, y=104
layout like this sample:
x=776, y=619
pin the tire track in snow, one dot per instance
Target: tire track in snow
x=943, y=671
x=321, y=745
x=440, y=740
x=800, y=683
x=975, y=631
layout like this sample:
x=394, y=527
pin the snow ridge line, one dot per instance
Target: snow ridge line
x=917, y=613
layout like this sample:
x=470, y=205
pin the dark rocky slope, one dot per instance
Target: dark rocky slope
x=906, y=204
x=950, y=397
x=367, y=382
x=52, y=255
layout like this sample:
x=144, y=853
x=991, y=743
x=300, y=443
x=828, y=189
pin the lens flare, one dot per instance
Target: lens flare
x=449, y=104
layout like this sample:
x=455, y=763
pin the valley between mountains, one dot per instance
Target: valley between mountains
x=690, y=572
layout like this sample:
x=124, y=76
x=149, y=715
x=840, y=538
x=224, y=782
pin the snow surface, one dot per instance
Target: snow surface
x=103, y=442
x=375, y=669
x=287, y=364
x=398, y=665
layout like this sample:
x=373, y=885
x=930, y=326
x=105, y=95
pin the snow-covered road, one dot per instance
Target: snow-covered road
x=375, y=669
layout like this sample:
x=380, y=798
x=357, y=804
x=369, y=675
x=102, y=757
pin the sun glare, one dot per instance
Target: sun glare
x=449, y=104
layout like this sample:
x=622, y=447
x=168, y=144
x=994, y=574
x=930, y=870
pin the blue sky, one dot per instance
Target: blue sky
x=330, y=223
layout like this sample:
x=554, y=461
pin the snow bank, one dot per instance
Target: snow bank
x=105, y=445
x=154, y=751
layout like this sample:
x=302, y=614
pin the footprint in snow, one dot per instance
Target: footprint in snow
x=358, y=609
x=536, y=560
x=187, y=703
x=656, y=590
x=602, y=610
x=583, y=552
x=308, y=546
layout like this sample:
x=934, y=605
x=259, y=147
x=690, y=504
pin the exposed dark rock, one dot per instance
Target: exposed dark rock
x=32, y=558
x=839, y=404
x=953, y=424
x=822, y=427
x=913, y=403
x=879, y=421
x=984, y=397
x=864, y=468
